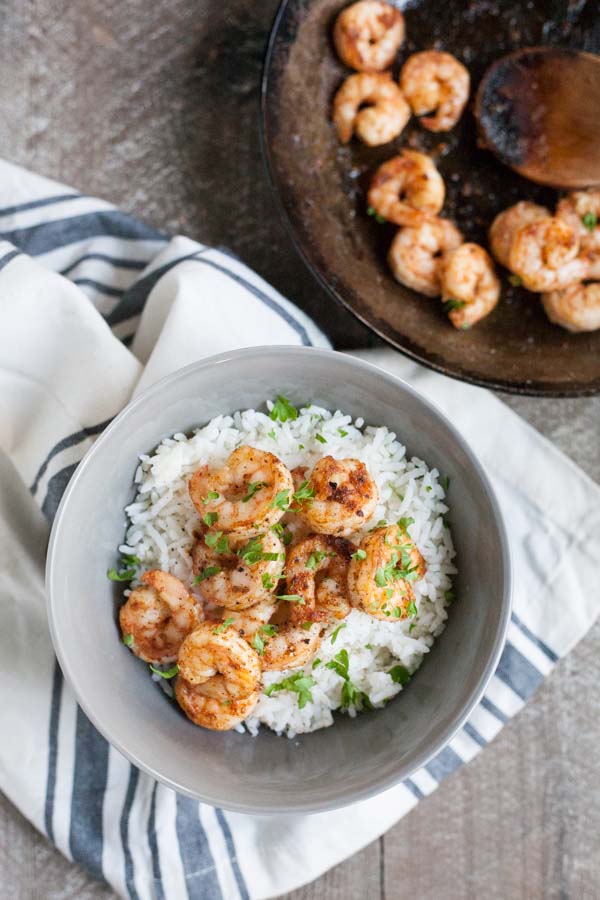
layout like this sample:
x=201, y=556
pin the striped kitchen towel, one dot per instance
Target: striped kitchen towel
x=93, y=306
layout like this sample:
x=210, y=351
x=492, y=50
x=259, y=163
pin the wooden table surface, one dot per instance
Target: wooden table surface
x=154, y=106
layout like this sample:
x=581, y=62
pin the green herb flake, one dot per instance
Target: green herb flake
x=165, y=673
x=405, y=521
x=128, y=640
x=411, y=609
x=590, y=220
x=208, y=572
x=258, y=644
x=269, y=630
x=451, y=304
x=299, y=682
x=281, y=500
x=445, y=483
x=291, y=598
x=399, y=675
x=465, y=326
x=223, y=626
x=121, y=575
x=304, y=494
x=210, y=518
x=253, y=487
x=342, y=433
x=371, y=211
x=283, y=410
x=212, y=495
x=217, y=541
x=339, y=664
x=267, y=581
x=360, y=554
x=272, y=434
x=316, y=662
x=307, y=626
x=449, y=596
x=320, y=438
x=369, y=647
x=515, y=280
x=252, y=552
x=335, y=633
x=412, y=627
x=315, y=558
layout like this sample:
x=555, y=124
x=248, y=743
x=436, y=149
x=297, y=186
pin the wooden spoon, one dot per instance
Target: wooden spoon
x=538, y=110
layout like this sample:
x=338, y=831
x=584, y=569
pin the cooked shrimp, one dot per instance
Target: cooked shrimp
x=581, y=209
x=210, y=712
x=415, y=255
x=217, y=658
x=241, y=496
x=381, y=580
x=344, y=496
x=368, y=34
x=577, y=308
x=370, y=106
x=241, y=577
x=317, y=570
x=507, y=223
x=157, y=616
x=544, y=254
x=434, y=81
x=407, y=189
x=248, y=622
x=291, y=645
x=469, y=285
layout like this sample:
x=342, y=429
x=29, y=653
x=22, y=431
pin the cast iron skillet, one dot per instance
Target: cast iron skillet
x=321, y=188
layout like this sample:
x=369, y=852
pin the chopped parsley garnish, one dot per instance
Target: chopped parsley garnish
x=465, y=326
x=126, y=570
x=307, y=626
x=165, y=673
x=590, y=220
x=369, y=647
x=267, y=581
x=217, y=541
x=299, y=682
x=283, y=410
x=449, y=596
x=451, y=304
x=253, y=552
x=342, y=433
x=258, y=644
x=400, y=675
x=411, y=609
x=223, y=626
x=291, y=598
x=210, y=518
x=411, y=627
x=405, y=521
x=253, y=487
x=281, y=500
x=335, y=633
x=128, y=640
x=445, y=482
x=339, y=664
x=351, y=696
x=208, y=572
x=428, y=488
x=272, y=434
x=269, y=630
x=304, y=494
x=315, y=558
x=212, y=495
x=515, y=280
x=282, y=532
x=360, y=554
x=381, y=524
x=375, y=215
x=317, y=662
x=320, y=438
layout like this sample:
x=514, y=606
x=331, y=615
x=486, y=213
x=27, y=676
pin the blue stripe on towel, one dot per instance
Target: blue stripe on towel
x=70, y=441
x=9, y=257
x=98, y=286
x=134, y=776
x=153, y=844
x=412, y=787
x=116, y=261
x=232, y=854
x=444, y=764
x=48, y=236
x=474, y=734
x=517, y=672
x=552, y=656
x=35, y=204
x=198, y=864
x=89, y=785
x=56, y=488
x=57, y=686
x=493, y=709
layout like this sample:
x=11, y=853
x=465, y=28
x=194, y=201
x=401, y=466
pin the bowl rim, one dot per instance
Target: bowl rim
x=523, y=387
x=375, y=786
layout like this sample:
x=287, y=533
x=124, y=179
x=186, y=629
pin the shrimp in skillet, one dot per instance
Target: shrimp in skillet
x=380, y=575
x=368, y=34
x=244, y=573
x=581, y=209
x=219, y=660
x=242, y=495
x=470, y=286
x=407, y=189
x=370, y=106
x=317, y=571
x=507, y=223
x=415, y=255
x=210, y=712
x=545, y=255
x=341, y=496
x=577, y=308
x=436, y=82
x=157, y=616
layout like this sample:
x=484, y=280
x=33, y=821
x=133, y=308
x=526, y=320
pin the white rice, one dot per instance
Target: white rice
x=162, y=521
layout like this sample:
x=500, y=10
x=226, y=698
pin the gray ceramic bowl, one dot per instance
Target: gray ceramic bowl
x=354, y=758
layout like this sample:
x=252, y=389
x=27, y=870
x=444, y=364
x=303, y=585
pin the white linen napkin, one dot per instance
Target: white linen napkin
x=73, y=349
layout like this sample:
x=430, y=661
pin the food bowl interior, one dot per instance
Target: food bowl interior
x=322, y=185
x=355, y=757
